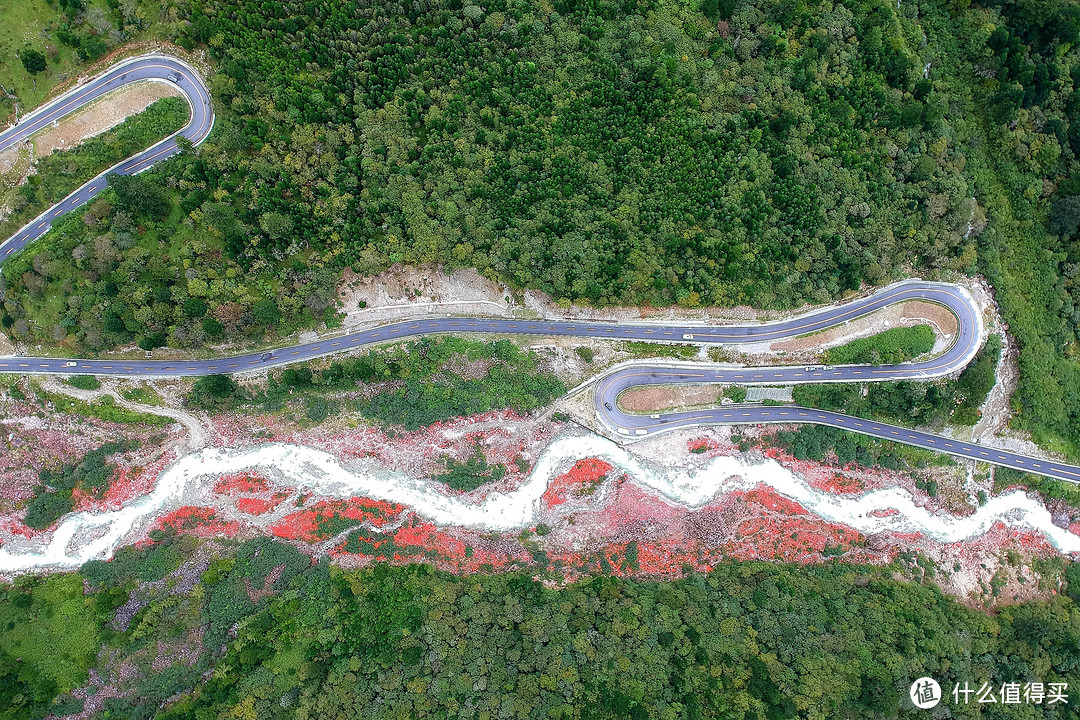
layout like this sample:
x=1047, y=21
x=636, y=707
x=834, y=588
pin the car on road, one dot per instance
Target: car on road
x=608, y=406
x=687, y=336
x=809, y=368
x=828, y=367
x=174, y=78
x=655, y=417
x=71, y=363
x=266, y=356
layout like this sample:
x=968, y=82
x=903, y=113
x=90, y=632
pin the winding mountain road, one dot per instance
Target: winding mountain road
x=960, y=352
x=145, y=68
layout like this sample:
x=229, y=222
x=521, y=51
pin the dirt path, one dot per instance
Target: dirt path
x=198, y=436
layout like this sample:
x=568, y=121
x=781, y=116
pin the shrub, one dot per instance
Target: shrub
x=84, y=382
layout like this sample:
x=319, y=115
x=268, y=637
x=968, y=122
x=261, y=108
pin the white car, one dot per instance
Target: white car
x=72, y=363
x=687, y=336
x=655, y=417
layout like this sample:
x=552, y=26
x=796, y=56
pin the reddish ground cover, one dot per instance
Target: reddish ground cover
x=702, y=445
x=836, y=483
x=329, y=517
x=199, y=521
x=791, y=539
x=582, y=479
x=455, y=550
x=768, y=498
x=248, y=482
x=258, y=506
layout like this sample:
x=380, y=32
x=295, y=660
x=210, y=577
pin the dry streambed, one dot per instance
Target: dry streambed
x=84, y=536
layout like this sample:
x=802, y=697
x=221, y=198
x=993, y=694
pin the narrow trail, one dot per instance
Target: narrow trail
x=198, y=435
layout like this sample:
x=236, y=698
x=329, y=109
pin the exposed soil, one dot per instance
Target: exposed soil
x=681, y=397
x=406, y=291
x=103, y=114
x=908, y=313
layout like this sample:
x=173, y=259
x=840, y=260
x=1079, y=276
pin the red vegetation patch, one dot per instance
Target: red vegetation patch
x=836, y=483
x=887, y=512
x=580, y=480
x=455, y=550
x=127, y=484
x=702, y=445
x=11, y=526
x=424, y=536
x=258, y=506
x=198, y=521
x=768, y=498
x=328, y=517
x=241, y=483
x=791, y=539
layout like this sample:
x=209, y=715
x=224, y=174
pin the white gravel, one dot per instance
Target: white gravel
x=84, y=536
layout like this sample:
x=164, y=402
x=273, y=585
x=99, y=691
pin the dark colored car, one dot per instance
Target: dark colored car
x=266, y=356
x=608, y=406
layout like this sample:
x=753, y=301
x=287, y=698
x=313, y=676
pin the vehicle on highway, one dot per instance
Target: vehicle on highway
x=266, y=356
x=809, y=368
x=687, y=336
x=828, y=367
x=71, y=363
x=173, y=78
x=655, y=417
x=608, y=406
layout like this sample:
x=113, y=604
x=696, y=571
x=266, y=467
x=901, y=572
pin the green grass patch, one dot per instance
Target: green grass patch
x=427, y=390
x=104, y=408
x=471, y=474
x=84, y=382
x=976, y=382
x=1050, y=489
x=647, y=349
x=911, y=403
x=70, y=40
x=812, y=442
x=736, y=393
x=142, y=395
x=49, y=639
x=892, y=346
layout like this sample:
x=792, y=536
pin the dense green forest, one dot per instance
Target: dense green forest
x=264, y=633
x=610, y=152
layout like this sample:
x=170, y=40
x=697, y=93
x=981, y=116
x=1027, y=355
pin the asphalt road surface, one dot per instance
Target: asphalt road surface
x=144, y=68
x=636, y=426
x=957, y=356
